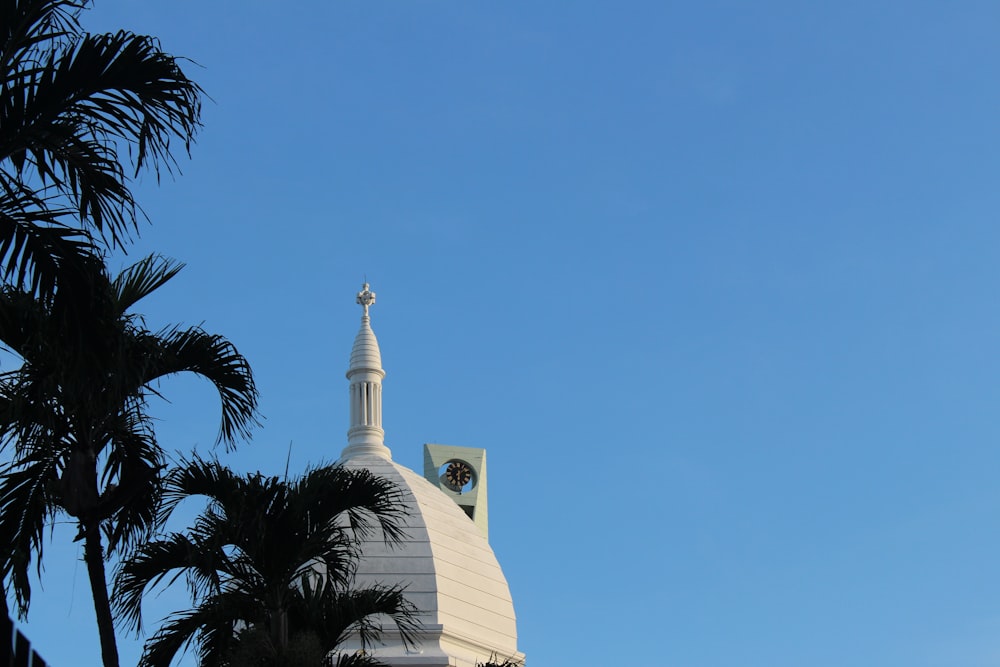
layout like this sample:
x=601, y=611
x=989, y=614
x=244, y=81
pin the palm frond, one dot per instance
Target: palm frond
x=496, y=661
x=27, y=503
x=72, y=111
x=356, y=659
x=162, y=561
x=22, y=318
x=338, y=614
x=213, y=623
x=30, y=26
x=142, y=278
x=200, y=477
x=138, y=92
x=30, y=419
x=86, y=170
x=131, y=478
x=234, y=615
x=36, y=247
x=213, y=358
x=370, y=503
x=174, y=636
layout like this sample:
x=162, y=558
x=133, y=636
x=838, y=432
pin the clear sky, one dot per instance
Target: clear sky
x=715, y=284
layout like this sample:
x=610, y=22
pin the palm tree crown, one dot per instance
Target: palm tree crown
x=73, y=418
x=75, y=110
x=270, y=564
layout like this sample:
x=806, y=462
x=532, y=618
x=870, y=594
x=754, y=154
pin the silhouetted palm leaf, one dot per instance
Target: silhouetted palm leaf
x=358, y=612
x=27, y=504
x=36, y=247
x=142, y=278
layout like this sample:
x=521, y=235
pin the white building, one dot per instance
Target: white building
x=445, y=562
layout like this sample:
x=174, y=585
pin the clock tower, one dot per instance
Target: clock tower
x=461, y=473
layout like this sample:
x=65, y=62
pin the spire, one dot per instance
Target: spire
x=365, y=437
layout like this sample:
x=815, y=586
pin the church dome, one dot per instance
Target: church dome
x=444, y=562
x=449, y=572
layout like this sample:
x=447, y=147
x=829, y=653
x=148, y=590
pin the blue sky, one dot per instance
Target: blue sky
x=715, y=284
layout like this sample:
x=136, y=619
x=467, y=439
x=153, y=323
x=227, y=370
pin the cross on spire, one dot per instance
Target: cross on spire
x=366, y=297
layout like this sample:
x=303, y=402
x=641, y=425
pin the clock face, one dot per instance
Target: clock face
x=457, y=475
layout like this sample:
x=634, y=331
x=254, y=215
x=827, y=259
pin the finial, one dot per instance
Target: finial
x=366, y=297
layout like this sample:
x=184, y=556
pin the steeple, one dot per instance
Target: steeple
x=365, y=437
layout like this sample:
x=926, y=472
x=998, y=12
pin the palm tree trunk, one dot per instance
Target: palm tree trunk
x=279, y=629
x=94, y=556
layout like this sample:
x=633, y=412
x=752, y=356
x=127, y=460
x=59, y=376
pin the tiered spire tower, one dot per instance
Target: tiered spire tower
x=365, y=437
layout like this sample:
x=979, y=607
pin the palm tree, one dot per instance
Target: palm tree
x=74, y=420
x=270, y=564
x=80, y=115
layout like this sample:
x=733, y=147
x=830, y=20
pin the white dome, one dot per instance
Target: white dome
x=444, y=562
x=450, y=574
